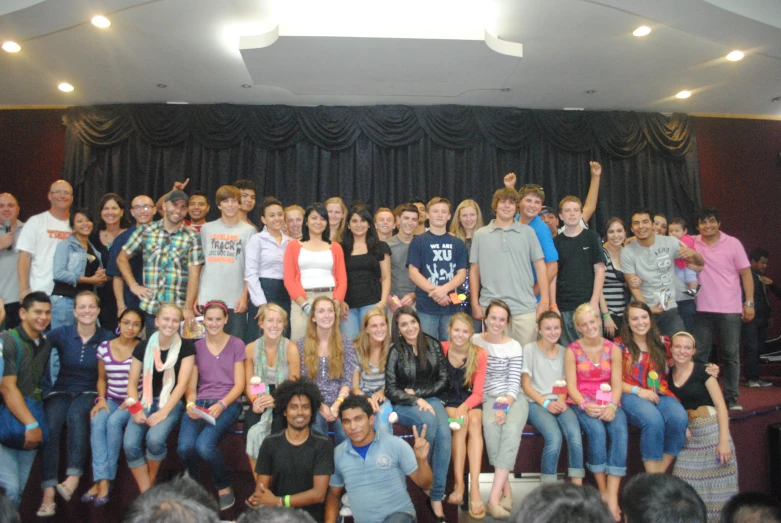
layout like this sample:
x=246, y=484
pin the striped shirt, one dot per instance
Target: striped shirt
x=503, y=371
x=371, y=383
x=614, y=288
x=116, y=373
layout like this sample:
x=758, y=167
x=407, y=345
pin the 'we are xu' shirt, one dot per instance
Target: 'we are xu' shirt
x=438, y=258
x=222, y=276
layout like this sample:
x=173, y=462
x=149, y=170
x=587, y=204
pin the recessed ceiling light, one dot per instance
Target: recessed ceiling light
x=505, y=89
x=683, y=94
x=65, y=87
x=246, y=86
x=591, y=91
x=101, y=21
x=734, y=56
x=642, y=30
x=11, y=47
x=162, y=86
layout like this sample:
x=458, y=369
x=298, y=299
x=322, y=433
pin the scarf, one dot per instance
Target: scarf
x=152, y=363
x=260, y=359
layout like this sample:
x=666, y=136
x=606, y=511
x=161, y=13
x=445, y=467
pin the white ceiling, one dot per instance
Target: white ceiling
x=414, y=52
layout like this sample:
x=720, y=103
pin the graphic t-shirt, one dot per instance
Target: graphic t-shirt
x=438, y=258
x=222, y=276
x=40, y=237
x=655, y=266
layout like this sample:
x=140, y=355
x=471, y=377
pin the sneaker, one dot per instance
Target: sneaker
x=734, y=405
x=227, y=500
x=345, y=510
x=755, y=384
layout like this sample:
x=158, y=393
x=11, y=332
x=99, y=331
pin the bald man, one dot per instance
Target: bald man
x=10, y=229
x=143, y=210
x=40, y=237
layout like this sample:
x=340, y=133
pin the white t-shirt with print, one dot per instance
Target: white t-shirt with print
x=40, y=237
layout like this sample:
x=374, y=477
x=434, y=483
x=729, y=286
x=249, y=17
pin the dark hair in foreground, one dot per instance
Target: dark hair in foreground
x=354, y=401
x=758, y=254
x=555, y=502
x=750, y=507
x=8, y=513
x=661, y=498
x=303, y=386
x=397, y=339
x=275, y=515
x=33, y=297
x=181, y=500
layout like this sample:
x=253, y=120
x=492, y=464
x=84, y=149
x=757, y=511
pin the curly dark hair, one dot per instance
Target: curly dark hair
x=354, y=401
x=303, y=386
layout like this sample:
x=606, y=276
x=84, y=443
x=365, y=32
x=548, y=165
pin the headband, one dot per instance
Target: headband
x=215, y=304
x=688, y=335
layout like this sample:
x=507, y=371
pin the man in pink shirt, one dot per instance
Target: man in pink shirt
x=719, y=302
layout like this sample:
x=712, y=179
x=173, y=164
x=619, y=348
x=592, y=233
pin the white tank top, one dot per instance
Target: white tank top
x=317, y=269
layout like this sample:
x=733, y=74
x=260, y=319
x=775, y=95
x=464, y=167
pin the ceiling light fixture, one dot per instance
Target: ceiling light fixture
x=246, y=86
x=162, y=86
x=734, y=56
x=11, y=47
x=642, y=30
x=101, y=21
x=591, y=91
x=683, y=95
x=776, y=100
x=65, y=87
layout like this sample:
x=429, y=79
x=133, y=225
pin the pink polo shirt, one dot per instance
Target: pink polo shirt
x=720, y=279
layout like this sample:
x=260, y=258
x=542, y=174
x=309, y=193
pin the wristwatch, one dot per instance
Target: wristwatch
x=749, y=304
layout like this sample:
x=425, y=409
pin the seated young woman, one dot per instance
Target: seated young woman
x=161, y=366
x=593, y=368
x=216, y=384
x=415, y=376
x=463, y=397
x=371, y=352
x=707, y=460
x=541, y=377
x=273, y=359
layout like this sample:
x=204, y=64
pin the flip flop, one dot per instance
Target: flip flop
x=64, y=491
x=46, y=511
x=476, y=514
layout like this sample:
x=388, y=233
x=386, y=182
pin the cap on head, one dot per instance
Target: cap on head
x=175, y=196
x=547, y=210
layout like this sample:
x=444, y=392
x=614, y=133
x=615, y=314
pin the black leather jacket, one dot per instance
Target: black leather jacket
x=401, y=372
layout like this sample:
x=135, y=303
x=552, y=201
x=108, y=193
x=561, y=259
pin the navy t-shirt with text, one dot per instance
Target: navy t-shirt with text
x=438, y=258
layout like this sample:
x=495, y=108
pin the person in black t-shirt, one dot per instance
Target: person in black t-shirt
x=294, y=466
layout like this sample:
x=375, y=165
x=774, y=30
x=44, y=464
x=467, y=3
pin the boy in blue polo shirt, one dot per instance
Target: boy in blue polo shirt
x=373, y=466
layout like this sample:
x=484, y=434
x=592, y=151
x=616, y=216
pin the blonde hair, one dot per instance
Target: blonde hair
x=335, y=345
x=456, y=229
x=472, y=350
x=291, y=208
x=265, y=309
x=583, y=308
x=686, y=335
x=168, y=305
x=339, y=234
x=363, y=343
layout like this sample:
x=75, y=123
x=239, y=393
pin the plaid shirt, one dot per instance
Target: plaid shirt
x=167, y=257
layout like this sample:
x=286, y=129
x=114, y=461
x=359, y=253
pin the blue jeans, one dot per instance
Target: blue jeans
x=662, y=427
x=156, y=448
x=237, y=324
x=729, y=339
x=62, y=312
x=438, y=435
x=321, y=426
x=107, y=431
x=381, y=423
x=601, y=457
x=199, y=439
x=15, y=467
x=400, y=517
x=569, y=333
x=435, y=325
x=351, y=327
x=687, y=310
x=553, y=427
x=149, y=324
x=73, y=409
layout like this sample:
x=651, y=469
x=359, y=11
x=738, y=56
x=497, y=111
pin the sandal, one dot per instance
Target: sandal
x=455, y=500
x=476, y=510
x=46, y=511
x=89, y=497
x=64, y=491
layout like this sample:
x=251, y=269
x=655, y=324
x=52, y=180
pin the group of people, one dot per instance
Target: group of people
x=327, y=320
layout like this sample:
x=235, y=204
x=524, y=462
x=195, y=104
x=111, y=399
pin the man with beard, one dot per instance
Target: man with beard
x=295, y=465
x=172, y=261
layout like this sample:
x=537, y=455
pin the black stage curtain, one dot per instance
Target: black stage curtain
x=384, y=155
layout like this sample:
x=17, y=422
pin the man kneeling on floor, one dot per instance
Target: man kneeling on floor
x=372, y=467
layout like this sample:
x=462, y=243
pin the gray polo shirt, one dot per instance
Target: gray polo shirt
x=655, y=266
x=9, y=281
x=505, y=258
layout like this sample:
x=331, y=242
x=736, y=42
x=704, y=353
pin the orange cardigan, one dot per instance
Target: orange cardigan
x=293, y=272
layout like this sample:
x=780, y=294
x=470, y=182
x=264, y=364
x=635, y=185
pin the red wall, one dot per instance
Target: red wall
x=32, y=148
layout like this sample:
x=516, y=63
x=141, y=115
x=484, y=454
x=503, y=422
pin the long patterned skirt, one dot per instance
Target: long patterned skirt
x=715, y=482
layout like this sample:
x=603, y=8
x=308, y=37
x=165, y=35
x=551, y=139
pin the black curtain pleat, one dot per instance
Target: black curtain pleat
x=384, y=155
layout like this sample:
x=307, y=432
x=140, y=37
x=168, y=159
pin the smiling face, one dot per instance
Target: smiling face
x=460, y=332
x=111, y=213
x=9, y=208
x=143, y=209
x=61, y=195
x=273, y=325
x=616, y=235
x=383, y=222
x=82, y=225
x=709, y=227
x=214, y=320
x=247, y=200
x=274, y=218
x=660, y=225
x=588, y=325
x=408, y=221
x=298, y=412
x=421, y=213
x=682, y=349
x=505, y=209
x=496, y=320
x=294, y=219
x=86, y=310
x=335, y=214
x=37, y=317
x=550, y=329
x=316, y=224
x=198, y=208
x=377, y=327
x=639, y=321
x=324, y=315
x=167, y=320
x=229, y=207
x=130, y=325
x=358, y=225
x=175, y=211
x=531, y=205
x=467, y=216
x=642, y=226
x=409, y=328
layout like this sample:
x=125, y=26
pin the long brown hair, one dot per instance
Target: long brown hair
x=472, y=350
x=656, y=349
x=339, y=234
x=421, y=344
x=363, y=342
x=335, y=345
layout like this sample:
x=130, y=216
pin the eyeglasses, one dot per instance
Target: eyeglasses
x=61, y=193
x=141, y=207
